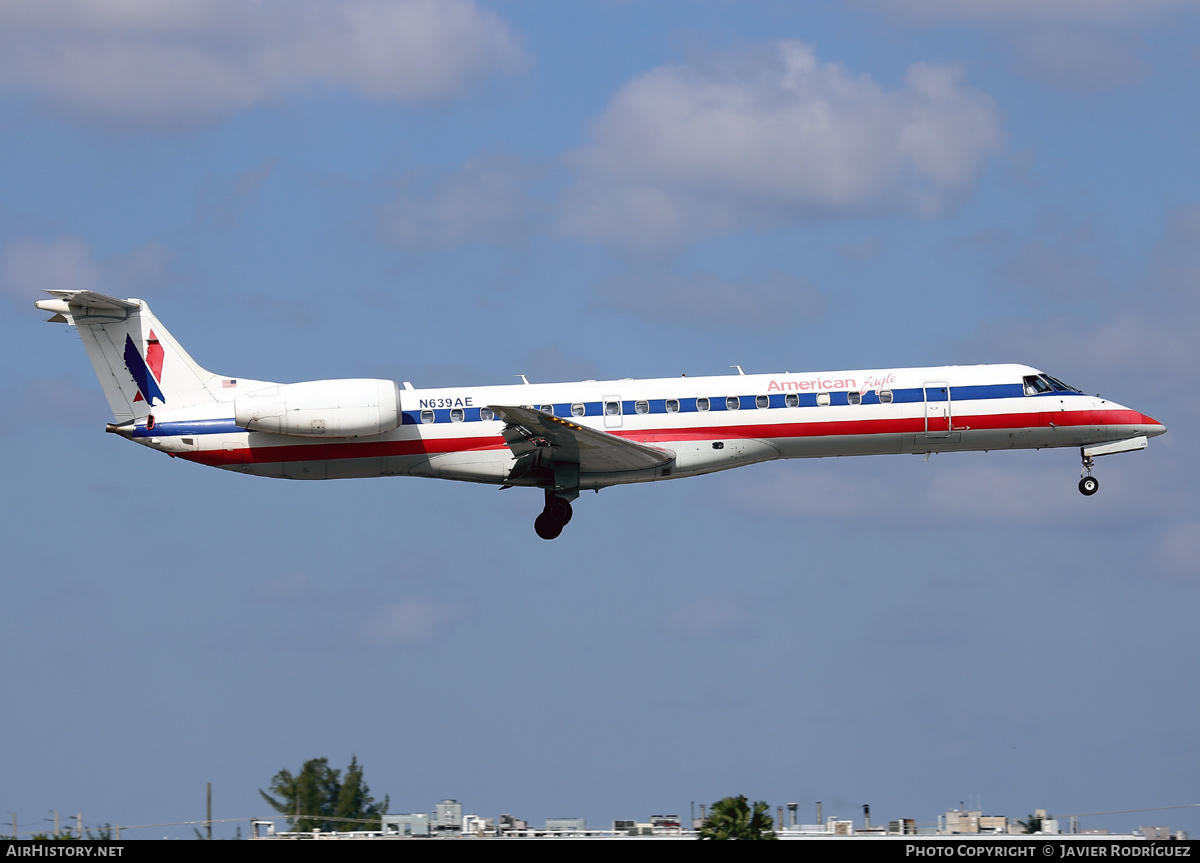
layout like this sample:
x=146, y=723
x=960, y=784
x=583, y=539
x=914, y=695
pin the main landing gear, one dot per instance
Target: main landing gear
x=1088, y=485
x=554, y=517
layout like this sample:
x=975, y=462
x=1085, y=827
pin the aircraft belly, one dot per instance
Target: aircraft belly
x=357, y=467
x=490, y=466
x=1059, y=435
x=269, y=470
x=694, y=457
x=348, y=468
x=836, y=445
x=305, y=469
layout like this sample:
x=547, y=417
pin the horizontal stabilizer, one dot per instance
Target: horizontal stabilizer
x=90, y=300
x=84, y=307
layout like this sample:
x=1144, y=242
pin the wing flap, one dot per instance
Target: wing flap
x=529, y=430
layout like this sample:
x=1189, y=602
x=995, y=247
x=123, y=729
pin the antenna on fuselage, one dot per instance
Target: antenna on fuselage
x=739, y=368
x=524, y=379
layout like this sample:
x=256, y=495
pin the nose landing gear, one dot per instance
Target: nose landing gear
x=554, y=517
x=1088, y=485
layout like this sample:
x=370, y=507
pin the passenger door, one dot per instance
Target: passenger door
x=937, y=409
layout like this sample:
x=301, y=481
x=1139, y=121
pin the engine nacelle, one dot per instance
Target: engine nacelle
x=349, y=408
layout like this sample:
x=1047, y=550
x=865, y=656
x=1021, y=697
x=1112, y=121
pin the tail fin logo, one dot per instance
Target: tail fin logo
x=146, y=372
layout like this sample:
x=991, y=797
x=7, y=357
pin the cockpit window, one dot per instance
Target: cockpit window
x=1035, y=385
x=1060, y=386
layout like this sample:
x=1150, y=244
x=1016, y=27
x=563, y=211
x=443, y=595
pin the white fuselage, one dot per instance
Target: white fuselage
x=708, y=423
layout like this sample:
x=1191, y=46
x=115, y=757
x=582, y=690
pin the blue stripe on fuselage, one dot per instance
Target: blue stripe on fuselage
x=629, y=407
x=189, y=427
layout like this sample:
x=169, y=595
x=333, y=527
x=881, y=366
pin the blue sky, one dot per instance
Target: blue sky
x=457, y=192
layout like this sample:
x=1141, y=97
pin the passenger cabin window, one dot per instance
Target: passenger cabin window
x=641, y=407
x=701, y=404
x=547, y=409
x=791, y=400
x=456, y=415
x=885, y=397
x=822, y=399
x=426, y=416
x=612, y=409
x=762, y=401
x=486, y=414
x=672, y=406
x=854, y=398
x=732, y=403
x=578, y=410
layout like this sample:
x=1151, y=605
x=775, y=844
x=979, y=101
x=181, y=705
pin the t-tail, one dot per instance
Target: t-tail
x=141, y=367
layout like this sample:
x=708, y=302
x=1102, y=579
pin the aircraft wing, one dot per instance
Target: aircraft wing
x=531, y=433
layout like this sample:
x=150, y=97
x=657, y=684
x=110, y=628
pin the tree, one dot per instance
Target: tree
x=354, y=799
x=317, y=797
x=734, y=818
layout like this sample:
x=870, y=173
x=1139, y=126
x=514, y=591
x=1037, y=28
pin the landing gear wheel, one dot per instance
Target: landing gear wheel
x=546, y=527
x=558, y=510
x=1089, y=485
x=554, y=517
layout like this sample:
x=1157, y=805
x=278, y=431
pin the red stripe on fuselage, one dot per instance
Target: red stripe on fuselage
x=342, y=449
x=436, y=446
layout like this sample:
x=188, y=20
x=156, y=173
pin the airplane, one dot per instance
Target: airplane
x=566, y=438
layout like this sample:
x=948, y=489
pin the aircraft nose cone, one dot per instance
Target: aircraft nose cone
x=1153, y=427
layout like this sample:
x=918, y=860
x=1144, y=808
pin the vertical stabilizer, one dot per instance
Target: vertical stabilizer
x=140, y=365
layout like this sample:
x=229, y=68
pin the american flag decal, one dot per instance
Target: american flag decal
x=226, y=383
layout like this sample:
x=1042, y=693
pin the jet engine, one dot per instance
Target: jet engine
x=335, y=409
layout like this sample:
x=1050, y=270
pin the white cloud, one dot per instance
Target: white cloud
x=486, y=201
x=775, y=300
x=1099, y=11
x=28, y=267
x=773, y=135
x=170, y=63
x=414, y=621
x=1077, y=60
x=1079, y=46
